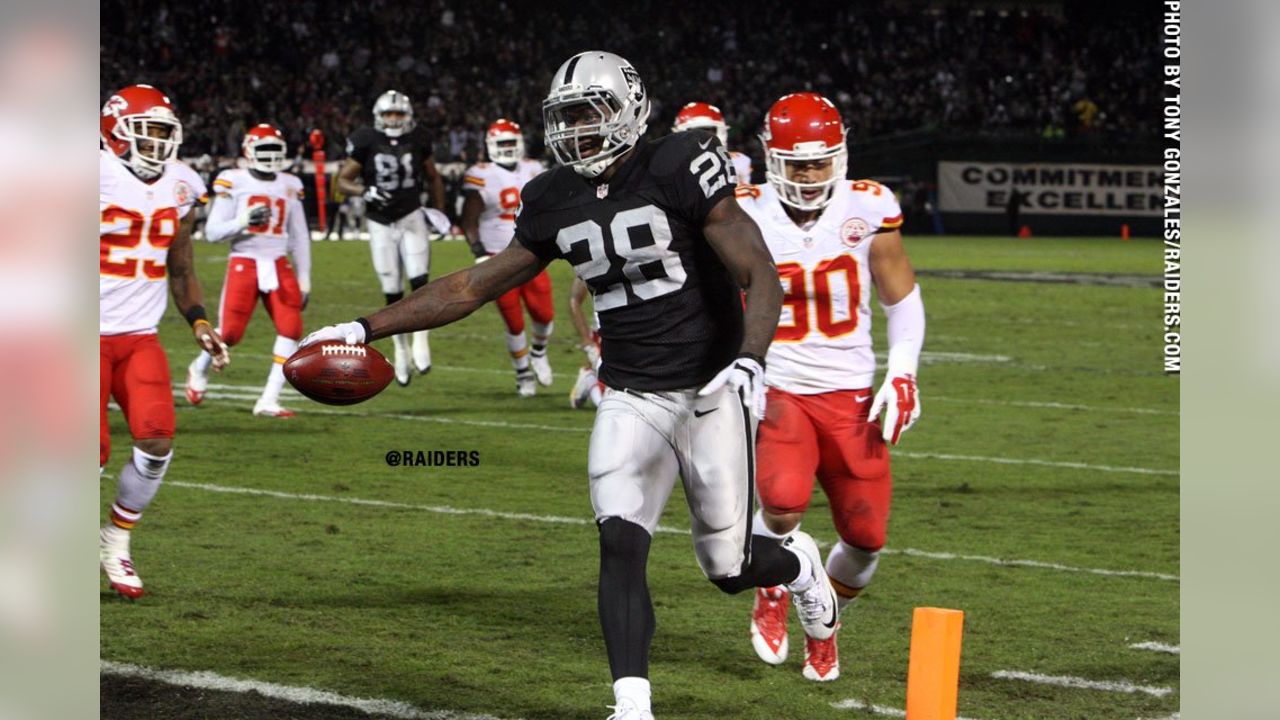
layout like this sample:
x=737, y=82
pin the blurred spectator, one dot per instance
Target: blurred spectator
x=891, y=67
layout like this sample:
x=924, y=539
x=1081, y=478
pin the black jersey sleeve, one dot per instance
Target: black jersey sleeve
x=359, y=145
x=695, y=172
x=423, y=144
x=533, y=229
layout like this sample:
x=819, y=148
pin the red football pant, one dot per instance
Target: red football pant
x=135, y=372
x=537, y=298
x=826, y=436
x=240, y=295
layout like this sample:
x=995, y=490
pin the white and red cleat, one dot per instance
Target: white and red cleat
x=769, y=624
x=262, y=408
x=821, y=659
x=113, y=547
x=197, y=384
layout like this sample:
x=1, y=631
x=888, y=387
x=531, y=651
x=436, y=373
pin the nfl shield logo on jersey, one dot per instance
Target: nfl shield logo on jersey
x=853, y=231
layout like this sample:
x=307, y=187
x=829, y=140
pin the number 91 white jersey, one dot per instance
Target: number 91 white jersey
x=499, y=188
x=823, y=341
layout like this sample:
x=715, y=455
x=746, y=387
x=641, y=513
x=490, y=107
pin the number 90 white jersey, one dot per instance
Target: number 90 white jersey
x=823, y=342
x=499, y=188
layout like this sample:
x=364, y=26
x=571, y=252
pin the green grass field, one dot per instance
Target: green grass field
x=1048, y=434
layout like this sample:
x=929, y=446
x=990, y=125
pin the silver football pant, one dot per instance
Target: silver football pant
x=642, y=440
x=400, y=250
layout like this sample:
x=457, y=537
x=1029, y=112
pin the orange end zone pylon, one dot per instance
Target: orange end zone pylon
x=933, y=672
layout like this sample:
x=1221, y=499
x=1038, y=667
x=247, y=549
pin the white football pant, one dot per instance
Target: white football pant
x=640, y=443
x=400, y=251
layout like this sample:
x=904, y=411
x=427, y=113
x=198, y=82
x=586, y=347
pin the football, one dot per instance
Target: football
x=335, y=373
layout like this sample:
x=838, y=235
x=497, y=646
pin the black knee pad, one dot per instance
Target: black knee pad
x=393, y=297
x=417, y=282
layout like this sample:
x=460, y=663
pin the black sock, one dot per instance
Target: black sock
x=393, y=297
x=770, y=565
x=626, y=612
x=417, y=282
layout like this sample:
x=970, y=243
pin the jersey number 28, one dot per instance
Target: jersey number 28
x=649, y=268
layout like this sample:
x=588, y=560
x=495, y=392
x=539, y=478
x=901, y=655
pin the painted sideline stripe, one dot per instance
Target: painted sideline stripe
x=856, y=704
x=205, y=680
x=1157, y=647
x=1068, y=681
x=562, y=520
x=555, y=428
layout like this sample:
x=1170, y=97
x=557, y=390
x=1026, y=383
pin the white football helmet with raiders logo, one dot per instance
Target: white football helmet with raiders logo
x=596, y=110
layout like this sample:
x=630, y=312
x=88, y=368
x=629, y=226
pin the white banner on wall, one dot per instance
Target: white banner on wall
x=1051, y=188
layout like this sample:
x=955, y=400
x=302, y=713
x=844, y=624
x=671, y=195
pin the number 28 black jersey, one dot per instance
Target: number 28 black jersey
x=670, y=314
x=393, y=164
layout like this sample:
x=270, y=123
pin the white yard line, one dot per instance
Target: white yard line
x=855, y=704
x=1032, y=564
x=562, y=520
x=1157, y=647
x=1118, y=686
x=1052, y=405
x=205, y=680
x=317, y=410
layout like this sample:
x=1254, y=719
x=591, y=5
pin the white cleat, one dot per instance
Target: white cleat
x=402, y=367
x=624, y=710
x=113, y=549
x=267, y=408
x=421, y=353
x=526, y=386
x=197, y=383
x=541, y=368
x=581, y=393
x=816, y=605
x=769, y=624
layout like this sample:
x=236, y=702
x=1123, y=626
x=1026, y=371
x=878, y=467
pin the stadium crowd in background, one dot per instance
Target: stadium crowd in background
x=895, y=69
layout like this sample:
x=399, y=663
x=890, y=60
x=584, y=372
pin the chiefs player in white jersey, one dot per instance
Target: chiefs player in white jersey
x=147, y=200
x=259, y=210
x=702, y=116
x=489, y=220
x=831, y=239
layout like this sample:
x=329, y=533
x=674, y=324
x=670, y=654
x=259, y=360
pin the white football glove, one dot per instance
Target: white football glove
x=375, y=194
x=744, y=375
x=901, y=399
x=352, y=333
x=593, y=354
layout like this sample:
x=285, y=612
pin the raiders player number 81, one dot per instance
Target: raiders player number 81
x=655, y=232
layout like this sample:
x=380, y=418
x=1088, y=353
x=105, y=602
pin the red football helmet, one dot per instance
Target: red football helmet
x=505, y=142
x=804, y=127
x=265, y=148
x=701, y=115
x=139, y=125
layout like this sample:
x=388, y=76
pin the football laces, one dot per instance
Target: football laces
x=343, y=349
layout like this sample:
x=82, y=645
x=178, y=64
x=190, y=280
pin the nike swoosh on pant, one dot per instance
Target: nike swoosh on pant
x=861, y=398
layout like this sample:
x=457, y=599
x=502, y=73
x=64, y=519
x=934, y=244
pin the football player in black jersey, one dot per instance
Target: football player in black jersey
x=654, y=230
x=388, y=164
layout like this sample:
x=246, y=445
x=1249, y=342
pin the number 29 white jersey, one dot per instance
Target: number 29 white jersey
x=499, y=188
x=823, y=341
x=138, y=222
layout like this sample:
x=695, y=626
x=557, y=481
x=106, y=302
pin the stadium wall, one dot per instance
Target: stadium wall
x=1070, y=186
